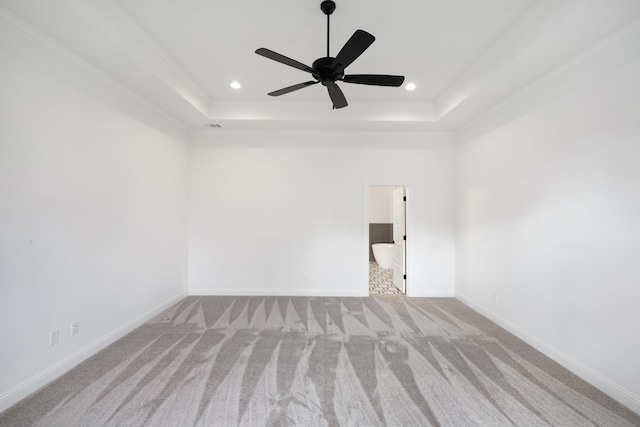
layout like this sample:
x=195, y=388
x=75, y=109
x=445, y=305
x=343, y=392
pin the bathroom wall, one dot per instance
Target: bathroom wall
x=547, y=208
x=285, y=213
x=379, y=233
x=380, y=216
x=381, y=205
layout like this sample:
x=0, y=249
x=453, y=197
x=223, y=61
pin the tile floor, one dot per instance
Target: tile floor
x=381, y=281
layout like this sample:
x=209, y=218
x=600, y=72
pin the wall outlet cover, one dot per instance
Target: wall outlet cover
x=54, y=337
x=75, y=328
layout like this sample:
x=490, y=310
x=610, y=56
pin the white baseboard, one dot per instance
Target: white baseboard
x=444, y=293
x=24, y=389
x=273, y=292
x=612, y=389
x=435, y=293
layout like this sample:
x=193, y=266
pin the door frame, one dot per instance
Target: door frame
x=407, y=227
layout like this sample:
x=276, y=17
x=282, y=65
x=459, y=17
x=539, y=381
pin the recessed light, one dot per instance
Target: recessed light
x=410, y=86
x=234, y=84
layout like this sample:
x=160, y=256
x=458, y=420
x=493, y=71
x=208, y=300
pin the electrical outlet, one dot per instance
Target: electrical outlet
x=54, y=337
x=75, y=328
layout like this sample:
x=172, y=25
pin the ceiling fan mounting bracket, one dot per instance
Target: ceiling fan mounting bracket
x=328, y=7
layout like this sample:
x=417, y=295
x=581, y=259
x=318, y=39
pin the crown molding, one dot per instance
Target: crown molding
x=289, y=137
x=414, y=112
x=114, y=22
x=514, y=43
x=616, y=50
x=31, y=46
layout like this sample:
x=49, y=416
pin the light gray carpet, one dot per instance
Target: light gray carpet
x=296, y=361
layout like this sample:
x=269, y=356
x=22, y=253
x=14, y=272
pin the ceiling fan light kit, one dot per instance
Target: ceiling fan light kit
x=328, y=70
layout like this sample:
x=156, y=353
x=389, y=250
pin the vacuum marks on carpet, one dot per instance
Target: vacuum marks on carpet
x=318, y=361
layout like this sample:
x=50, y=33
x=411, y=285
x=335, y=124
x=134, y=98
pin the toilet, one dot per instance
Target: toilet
x=383, y=254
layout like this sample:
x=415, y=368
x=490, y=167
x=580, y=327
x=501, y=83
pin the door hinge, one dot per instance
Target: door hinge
x=404, y=198
x=404, y=237
x=404, y=277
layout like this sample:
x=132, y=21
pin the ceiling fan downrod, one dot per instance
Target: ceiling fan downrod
x=328, y=7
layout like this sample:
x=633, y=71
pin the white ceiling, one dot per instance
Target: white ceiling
x=465, y=56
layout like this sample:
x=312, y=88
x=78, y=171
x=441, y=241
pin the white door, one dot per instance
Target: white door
x=399, y=238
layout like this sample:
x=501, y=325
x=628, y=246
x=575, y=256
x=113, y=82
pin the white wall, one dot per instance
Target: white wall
x=92, y=222
x=286, y=213
x=381, y=205
x=548, y=217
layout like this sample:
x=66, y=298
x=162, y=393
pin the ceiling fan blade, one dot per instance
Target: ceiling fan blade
x=352, y=49
x=336, y=95
x=292, y=88
x=284, y=60
x=374, y=79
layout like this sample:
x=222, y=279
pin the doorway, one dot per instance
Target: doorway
x=387, y=217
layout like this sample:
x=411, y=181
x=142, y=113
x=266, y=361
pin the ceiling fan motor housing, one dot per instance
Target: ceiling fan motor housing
x=322, y=66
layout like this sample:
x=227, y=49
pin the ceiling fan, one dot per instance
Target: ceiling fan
x=329, y=70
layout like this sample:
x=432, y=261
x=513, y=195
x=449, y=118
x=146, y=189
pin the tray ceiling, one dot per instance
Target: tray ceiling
x=465, y=56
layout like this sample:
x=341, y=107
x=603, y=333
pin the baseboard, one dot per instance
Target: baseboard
x=612, y=389
x=24, y=389
x=285, y=292
x=435, y=293
x=273, y=292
